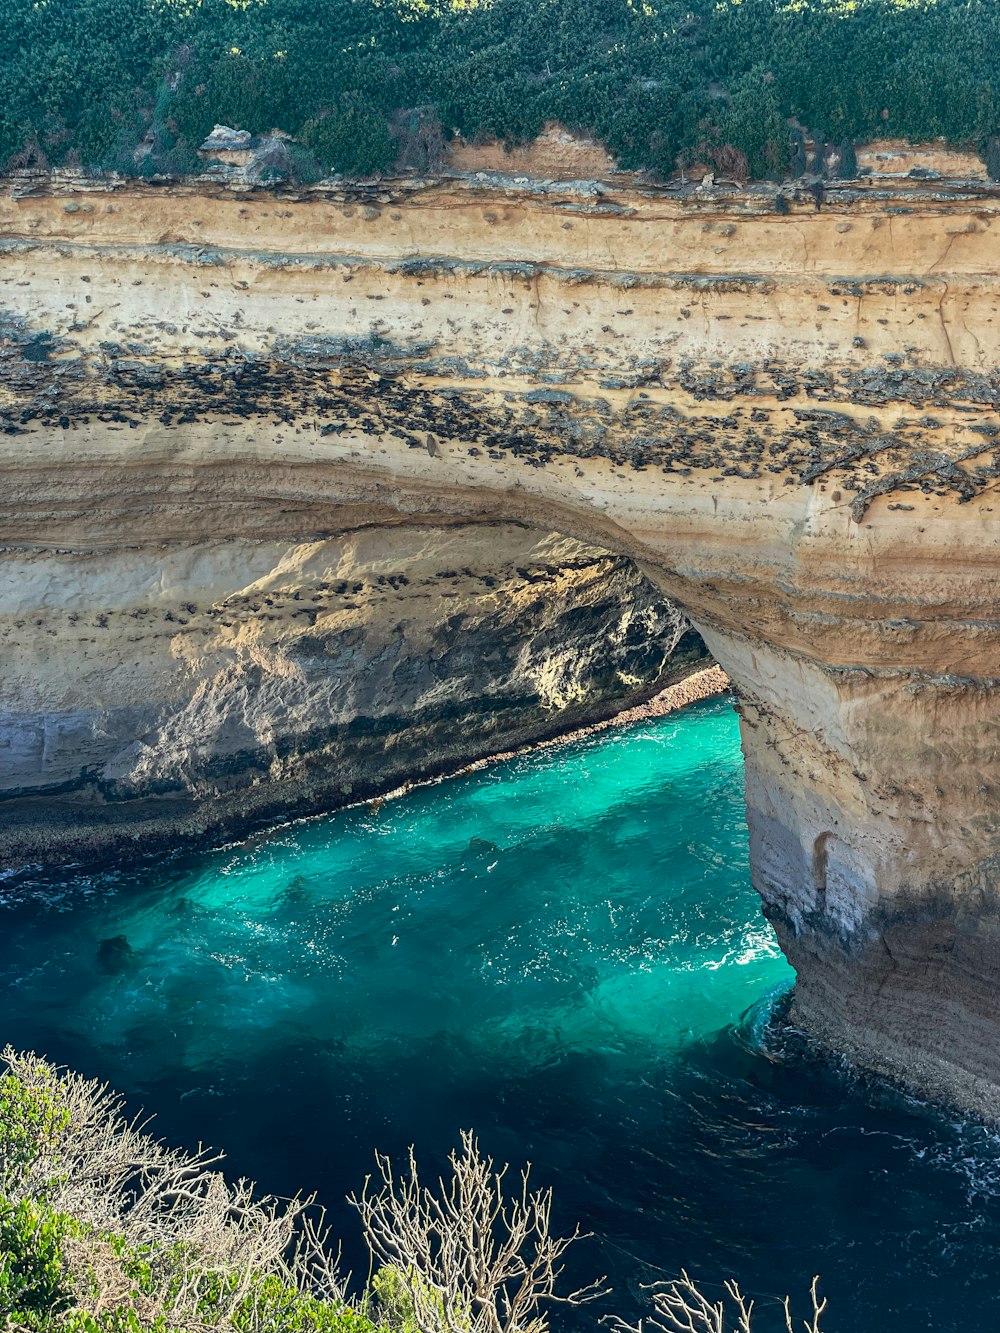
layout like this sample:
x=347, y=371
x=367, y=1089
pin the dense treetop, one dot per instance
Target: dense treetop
x=366, y=83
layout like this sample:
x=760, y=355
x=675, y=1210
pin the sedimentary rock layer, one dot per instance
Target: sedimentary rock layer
x=157, y=694
x=782, y=407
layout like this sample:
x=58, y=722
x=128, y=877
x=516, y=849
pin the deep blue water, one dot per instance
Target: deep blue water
x=562, y=951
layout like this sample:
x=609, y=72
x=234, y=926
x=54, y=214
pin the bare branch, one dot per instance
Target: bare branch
x=469, y=1258
x=680, y=1307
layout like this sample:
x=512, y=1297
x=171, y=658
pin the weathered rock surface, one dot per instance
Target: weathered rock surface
x=159, y=694
x=783, y=408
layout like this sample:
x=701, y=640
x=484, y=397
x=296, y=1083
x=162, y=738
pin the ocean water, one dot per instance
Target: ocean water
x=562, y=951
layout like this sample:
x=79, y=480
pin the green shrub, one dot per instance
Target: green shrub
x=105, y=1230
x=753, y=123
x=353, y=142
x=33, y=1279
x=33, y=1115
x=655, y=81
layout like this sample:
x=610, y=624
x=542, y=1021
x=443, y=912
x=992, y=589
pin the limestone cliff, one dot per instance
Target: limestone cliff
x=781, y=406
x=161, y=692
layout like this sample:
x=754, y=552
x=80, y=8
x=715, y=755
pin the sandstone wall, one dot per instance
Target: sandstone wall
x=166, y=692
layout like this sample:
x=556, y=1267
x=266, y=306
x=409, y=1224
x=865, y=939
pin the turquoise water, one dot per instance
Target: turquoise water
x=562, y=951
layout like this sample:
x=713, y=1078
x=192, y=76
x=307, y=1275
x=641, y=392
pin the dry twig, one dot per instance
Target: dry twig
x=470, y=1259
x=680, y=1307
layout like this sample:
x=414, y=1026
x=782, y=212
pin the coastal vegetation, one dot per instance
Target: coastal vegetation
x=755, y=87
x=105, y=1229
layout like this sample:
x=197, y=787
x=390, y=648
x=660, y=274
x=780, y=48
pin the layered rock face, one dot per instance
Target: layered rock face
x=781, y=409
x=160, y=693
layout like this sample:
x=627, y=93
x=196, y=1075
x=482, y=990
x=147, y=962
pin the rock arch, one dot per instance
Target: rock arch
x=804, y=461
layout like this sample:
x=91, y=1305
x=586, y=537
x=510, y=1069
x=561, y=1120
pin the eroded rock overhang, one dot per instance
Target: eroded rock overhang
x=785, y=412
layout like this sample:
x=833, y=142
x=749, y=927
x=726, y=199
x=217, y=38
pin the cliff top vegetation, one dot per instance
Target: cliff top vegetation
x=105, y=1229
x=371, y=86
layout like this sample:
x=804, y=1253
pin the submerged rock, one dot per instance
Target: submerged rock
x=483, y=847
x=115, y=955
